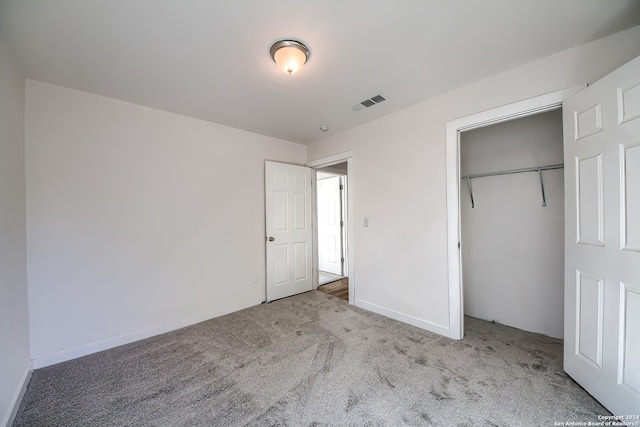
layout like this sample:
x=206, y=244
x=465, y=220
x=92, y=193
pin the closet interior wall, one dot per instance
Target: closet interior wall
x=512, y=246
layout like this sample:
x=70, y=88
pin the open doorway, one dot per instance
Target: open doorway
x=331, y=205
x=350, y=267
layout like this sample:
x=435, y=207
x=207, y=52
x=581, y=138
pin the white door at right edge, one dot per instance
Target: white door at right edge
x=330, y=256
x=602, y=239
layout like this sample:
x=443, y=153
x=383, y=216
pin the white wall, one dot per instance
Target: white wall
x=140, y=221
x=401, y=259
x=512, y=246
x=15, y=363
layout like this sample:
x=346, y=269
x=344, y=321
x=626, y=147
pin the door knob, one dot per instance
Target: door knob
x=271, y=239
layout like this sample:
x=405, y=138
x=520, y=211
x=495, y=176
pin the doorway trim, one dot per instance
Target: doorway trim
x=346, y=156
x=528, y=107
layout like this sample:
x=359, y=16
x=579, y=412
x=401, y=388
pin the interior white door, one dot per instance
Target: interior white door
x=330, y=225
x=288, y=228
x=602, y=239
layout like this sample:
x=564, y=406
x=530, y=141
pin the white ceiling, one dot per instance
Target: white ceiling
x=209, y=59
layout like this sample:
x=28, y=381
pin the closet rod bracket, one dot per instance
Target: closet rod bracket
x=544, y=199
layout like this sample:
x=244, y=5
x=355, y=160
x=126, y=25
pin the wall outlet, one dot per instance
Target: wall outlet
x=366, y=221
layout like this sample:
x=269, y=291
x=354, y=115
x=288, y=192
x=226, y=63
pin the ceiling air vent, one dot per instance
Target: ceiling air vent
x=368, y=103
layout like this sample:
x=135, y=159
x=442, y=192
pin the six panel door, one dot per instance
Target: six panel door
x=288, y=228
x=602, y=239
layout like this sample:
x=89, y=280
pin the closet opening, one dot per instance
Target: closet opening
x=512, y=222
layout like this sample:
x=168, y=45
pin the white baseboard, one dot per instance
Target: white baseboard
x=14, y=405
x=414, y=321
x=84, y=350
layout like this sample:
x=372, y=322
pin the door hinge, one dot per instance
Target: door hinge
x=341, y=187
x=458, y=245
x=341, y=223
x=342, y=260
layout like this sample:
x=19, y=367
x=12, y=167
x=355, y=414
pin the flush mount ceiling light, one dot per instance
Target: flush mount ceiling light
x=289, y=55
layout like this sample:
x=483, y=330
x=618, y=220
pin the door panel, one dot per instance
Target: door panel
x=281, y=261
x=630, y=336
x=602, y=239
x=630, y=187
x=288, y=227
x=588, y=121
x=300, y=260
x=589, y=332
x=300, y=211
x=628, y=103
x=280, y=211
x=590, y=203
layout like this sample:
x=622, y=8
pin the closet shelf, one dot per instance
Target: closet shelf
x=538, y=169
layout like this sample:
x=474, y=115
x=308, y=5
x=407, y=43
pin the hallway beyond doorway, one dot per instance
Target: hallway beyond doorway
x=332, y=284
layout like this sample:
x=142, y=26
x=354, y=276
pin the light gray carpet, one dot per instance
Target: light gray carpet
x=313, y=360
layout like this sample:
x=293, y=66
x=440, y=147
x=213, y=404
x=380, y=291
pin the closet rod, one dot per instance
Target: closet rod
x=538, y=169
x=506, y=172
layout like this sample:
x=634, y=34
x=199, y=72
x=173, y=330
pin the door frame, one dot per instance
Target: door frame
x=348, y=157
x=454, y=128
